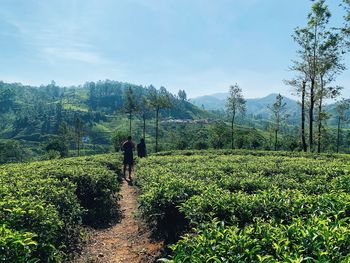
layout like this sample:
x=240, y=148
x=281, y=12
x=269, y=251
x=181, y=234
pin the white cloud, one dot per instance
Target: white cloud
x=53, y=40
x=54, y=53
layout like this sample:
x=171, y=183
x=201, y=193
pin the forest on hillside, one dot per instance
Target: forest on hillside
x=35, y=120
x=50, y=121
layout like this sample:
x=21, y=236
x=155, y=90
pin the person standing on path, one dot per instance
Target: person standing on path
x=128, y=148
x=141, y=148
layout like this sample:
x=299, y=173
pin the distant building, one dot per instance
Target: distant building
x=189, y=121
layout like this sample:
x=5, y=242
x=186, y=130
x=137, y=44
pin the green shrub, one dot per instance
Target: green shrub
x=52, y=199
x=17, y=246
x=311, y=240
x=258, y=196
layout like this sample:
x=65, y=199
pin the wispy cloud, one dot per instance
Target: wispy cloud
x=54, y=41
x=69, y=54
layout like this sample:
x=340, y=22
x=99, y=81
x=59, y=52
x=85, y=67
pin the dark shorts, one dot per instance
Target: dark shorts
x=128, y=159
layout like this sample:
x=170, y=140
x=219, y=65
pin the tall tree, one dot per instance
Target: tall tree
x=159, y=99
x=219, y=135
x=59, y=114
x=324, y=92
x=78, y=132
x=278, y=112
x=299, y=84
x=330, y=65
x=346, y=29
x=93, y=99
x=144, y=110
x=342, y=109
x=235, y=103
x=309, y=38
x=182, y=95
x=130, y=105
x=64, y=133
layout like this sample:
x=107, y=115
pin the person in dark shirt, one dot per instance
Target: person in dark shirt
x=141, y=148
x=128, y=148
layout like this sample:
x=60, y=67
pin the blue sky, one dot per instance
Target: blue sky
x=201, y=46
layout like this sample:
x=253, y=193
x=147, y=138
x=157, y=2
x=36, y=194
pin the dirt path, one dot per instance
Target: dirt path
x=127, y=241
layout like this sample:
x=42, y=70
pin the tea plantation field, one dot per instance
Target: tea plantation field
x=44, y=205
x=245, y=206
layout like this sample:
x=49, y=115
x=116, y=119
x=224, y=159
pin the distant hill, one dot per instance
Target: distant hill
x=259, y=106
x=256, y=106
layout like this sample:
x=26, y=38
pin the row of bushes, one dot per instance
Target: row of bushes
x=243, y=152
x=303, y=240
x=44, y=205
x=236, y=200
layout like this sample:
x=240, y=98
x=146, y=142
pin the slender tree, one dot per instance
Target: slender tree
x=278, y=113
x=346, y=29
x=130, y=105
x=159, y=99
x=323, y=93
x=308, y=39
x=78, y=132
x=303, y=95
x=342, y=109
x=331, y=50
x=144, y=108
x=235, y=103
x=64, y=134
x=299, y=84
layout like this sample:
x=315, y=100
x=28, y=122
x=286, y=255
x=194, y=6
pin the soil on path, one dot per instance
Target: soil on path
x=127, y=241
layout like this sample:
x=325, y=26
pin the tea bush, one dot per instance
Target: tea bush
x=17, y=246
x=311, y=240
x=248, y=206
x=43, y=205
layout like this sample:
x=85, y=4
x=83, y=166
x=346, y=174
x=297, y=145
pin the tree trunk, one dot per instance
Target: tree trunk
x=130, y=123
x=276, y=132
x=312, y=89
x=78, y=145
x=157, y=116
x=311, y=115
x=303, y=139
x=319, y=131
x=144, y=126
x=338, y=135
x=232, y=123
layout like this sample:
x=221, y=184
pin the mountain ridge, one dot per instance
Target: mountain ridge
x=255, y=106
x=216, y=101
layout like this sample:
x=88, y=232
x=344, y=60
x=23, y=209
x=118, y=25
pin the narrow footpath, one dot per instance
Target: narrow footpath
x=127, y=241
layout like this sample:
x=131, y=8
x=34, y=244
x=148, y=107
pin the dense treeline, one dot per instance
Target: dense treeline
x=51, y=120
